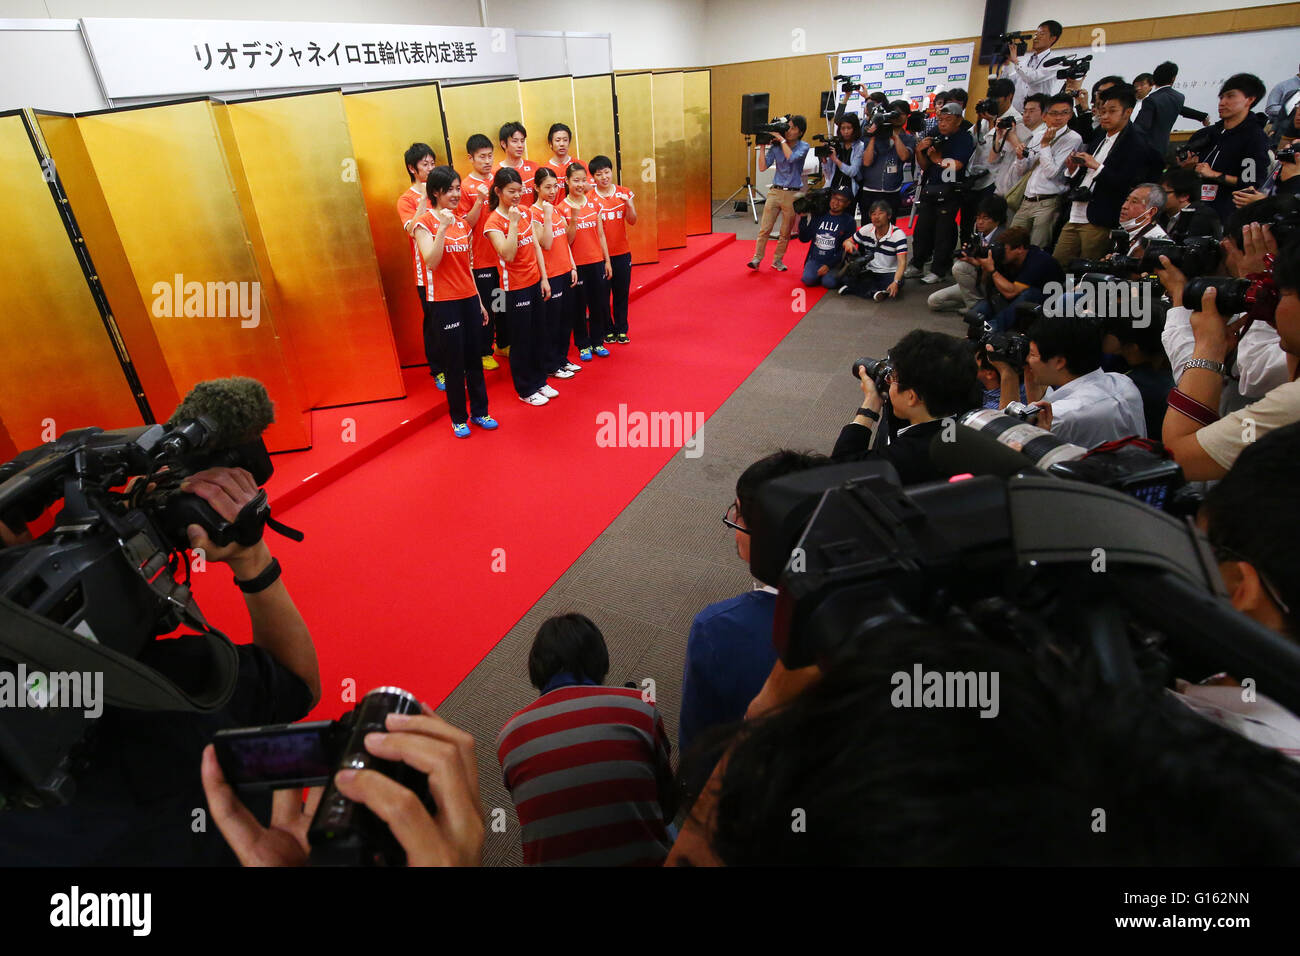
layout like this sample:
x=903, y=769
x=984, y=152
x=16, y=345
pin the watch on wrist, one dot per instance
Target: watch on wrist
x=1217, y=367
x=869, y=413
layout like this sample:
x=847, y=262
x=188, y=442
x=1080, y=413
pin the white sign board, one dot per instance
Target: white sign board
x=137, y=57
x=908, y=73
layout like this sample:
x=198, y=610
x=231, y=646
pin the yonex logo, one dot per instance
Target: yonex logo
x=871, y=67
x=938, y=50
x=937, y=69
x=956, y=76
x=959, y=59
x=874, y=86
x=920, y=62
x=916, y=81
x=896, y=56
x=850, y=59
x=893, y=74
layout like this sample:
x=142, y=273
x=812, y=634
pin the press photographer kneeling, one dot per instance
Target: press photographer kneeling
x=1015, y=273
x=927, y=377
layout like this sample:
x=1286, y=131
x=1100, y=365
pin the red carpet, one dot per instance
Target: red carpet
x=420, y=560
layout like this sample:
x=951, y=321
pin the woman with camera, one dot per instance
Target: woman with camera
x=843, y=164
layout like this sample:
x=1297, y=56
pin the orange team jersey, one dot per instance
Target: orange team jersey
x=526, y=169
x=406, y=204
x=452, y=279
x=586, y=241
x=522, y=271
x=559, y=259
x=485, y=256
x=559, y=168
x=612, y=210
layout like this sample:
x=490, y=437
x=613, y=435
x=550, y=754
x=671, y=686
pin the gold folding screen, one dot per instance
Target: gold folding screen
x=310, y=217
x=164, y=176
x=483, y=108
x=593, y=104
x=636, y=135
x=383, y=124
x=60, y=369
x=545, y=102
x=699, y=191
x=670, y=159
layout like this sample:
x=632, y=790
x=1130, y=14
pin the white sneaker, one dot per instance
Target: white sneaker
x=547, y=392
x=911, y=272
x=562, y=373
x=929, y=278
x=570, y=367
x=537, y=398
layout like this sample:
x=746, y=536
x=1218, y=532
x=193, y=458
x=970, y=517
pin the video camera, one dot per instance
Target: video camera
x=1073, y=66
x=830, y=144
x=846, y=84
x=883, y=121
x=294, y=756
x=816, y=202
x=1003, y=42
x=98, y=586
x=777, y=126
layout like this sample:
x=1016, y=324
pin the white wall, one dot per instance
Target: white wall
x=660, y=34
x=1027, y=14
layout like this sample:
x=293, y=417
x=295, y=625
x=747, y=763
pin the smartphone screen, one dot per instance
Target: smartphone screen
x=277, y=757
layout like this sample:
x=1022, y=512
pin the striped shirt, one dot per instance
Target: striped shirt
x=585, y=766
x=884, y=252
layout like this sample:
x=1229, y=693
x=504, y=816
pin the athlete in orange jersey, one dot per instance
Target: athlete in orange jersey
x=514, y=143
x=560, y=138
x=618, y=211
x=475, y=189
x=591, y=254
x=419, y=159
x=551, y=229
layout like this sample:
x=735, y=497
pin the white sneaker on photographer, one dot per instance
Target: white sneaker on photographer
x=911, y=272
x=930, y=278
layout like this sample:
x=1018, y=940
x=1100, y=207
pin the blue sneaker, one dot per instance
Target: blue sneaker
x=584, y=354
x=486, y=422
x=602, y=351
x=461, y=430
x=441, y=382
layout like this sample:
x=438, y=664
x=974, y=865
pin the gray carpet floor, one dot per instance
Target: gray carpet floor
x=668, y=554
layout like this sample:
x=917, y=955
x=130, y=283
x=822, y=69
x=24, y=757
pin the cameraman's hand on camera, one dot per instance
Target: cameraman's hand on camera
x=284, y=843
x=1173, y=280
x=227, y=490
x=1257, y=242
x=870, y=397
x=445, y=754
x=1214, y=340
x=1085, y=159
x=986, y=264
x=822, y=270
x=1044, y=419
x=1244, y=197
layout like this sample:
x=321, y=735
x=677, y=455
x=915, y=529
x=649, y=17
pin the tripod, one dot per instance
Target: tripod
x=749, y=186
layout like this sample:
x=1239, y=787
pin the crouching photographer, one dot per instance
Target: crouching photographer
x=969, y=289
x=121, y=787
x=1014, y=273
x=1205, y=444
x=927, y=377
x=876, y=258
x=825, y=234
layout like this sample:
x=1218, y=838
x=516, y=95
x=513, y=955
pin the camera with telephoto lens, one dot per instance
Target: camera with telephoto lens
x=294, y=756
x=1194, y=256
x=1256, y=295
x=1009, y=347
x=777, y=126
x=1287, y=154
x=878, y=370
x=815, y=203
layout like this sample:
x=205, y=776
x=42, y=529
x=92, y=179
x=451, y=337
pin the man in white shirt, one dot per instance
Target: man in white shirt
x=1029, y=75
x=1009, y=144
x=986, y=163
x=1081, y=403
x=1046, y=162
x=1137, y=217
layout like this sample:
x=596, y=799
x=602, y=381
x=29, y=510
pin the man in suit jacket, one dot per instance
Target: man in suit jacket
x=933, y=378
x=1161, y=107
x=1119, y=158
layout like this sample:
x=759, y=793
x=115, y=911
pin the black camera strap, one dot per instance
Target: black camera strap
x=39, y=642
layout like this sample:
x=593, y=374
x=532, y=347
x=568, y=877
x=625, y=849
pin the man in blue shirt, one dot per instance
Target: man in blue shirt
x=942, y=159
x=826, y=234
x=729, y=652
x=787, y=153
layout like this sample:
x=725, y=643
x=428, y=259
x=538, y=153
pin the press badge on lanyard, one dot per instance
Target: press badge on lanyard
x=891, y=167
x=1210, y=190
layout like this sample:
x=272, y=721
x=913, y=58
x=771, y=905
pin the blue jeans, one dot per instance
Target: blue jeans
x=1003, y=316
x=869, y=283
x=810, y=277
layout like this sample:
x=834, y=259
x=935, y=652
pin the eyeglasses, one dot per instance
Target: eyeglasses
x=1060, y=112
x=1222, y=553
x=729, y=519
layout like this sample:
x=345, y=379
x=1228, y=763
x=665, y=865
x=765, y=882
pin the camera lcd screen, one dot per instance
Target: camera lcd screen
x=275, y=758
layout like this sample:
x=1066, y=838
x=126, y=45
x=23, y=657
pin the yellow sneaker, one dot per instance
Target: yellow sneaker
x=490, y=363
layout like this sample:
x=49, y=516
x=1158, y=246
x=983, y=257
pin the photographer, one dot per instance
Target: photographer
x=1284, y=175
x=990, y=159
x=931, y=377
x=135, y=802
x=1017, y=140
x=1257, y=363
x=1084, y=122
x=942, y=159
x=1184, y=214
x=990, y=223
x=1016, y=273
x=884, y=247
x=1110, y=167
x=1138, y=217
x=941, y=99
x=842, y=167
x=1236, y=151
x=1081, y=404
x=1144, y=361
x=1204, y=444
x=886, y=150
x=825, y=235
x=1045, y=164
x=786, y=152
x=1030, y=76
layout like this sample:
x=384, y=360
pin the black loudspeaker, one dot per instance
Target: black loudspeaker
x=753, y=112
x=996, y=14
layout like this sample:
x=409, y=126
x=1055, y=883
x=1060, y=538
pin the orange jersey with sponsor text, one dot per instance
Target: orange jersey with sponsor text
x=586, y=241
x=612, y=211
x=526, y=169
x=453, y=278
x=406, y=204
x=559, y=258
x=485, y=256
x=522, y=271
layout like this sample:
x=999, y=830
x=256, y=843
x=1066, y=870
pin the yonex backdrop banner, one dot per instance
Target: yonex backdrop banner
x=908, y=73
